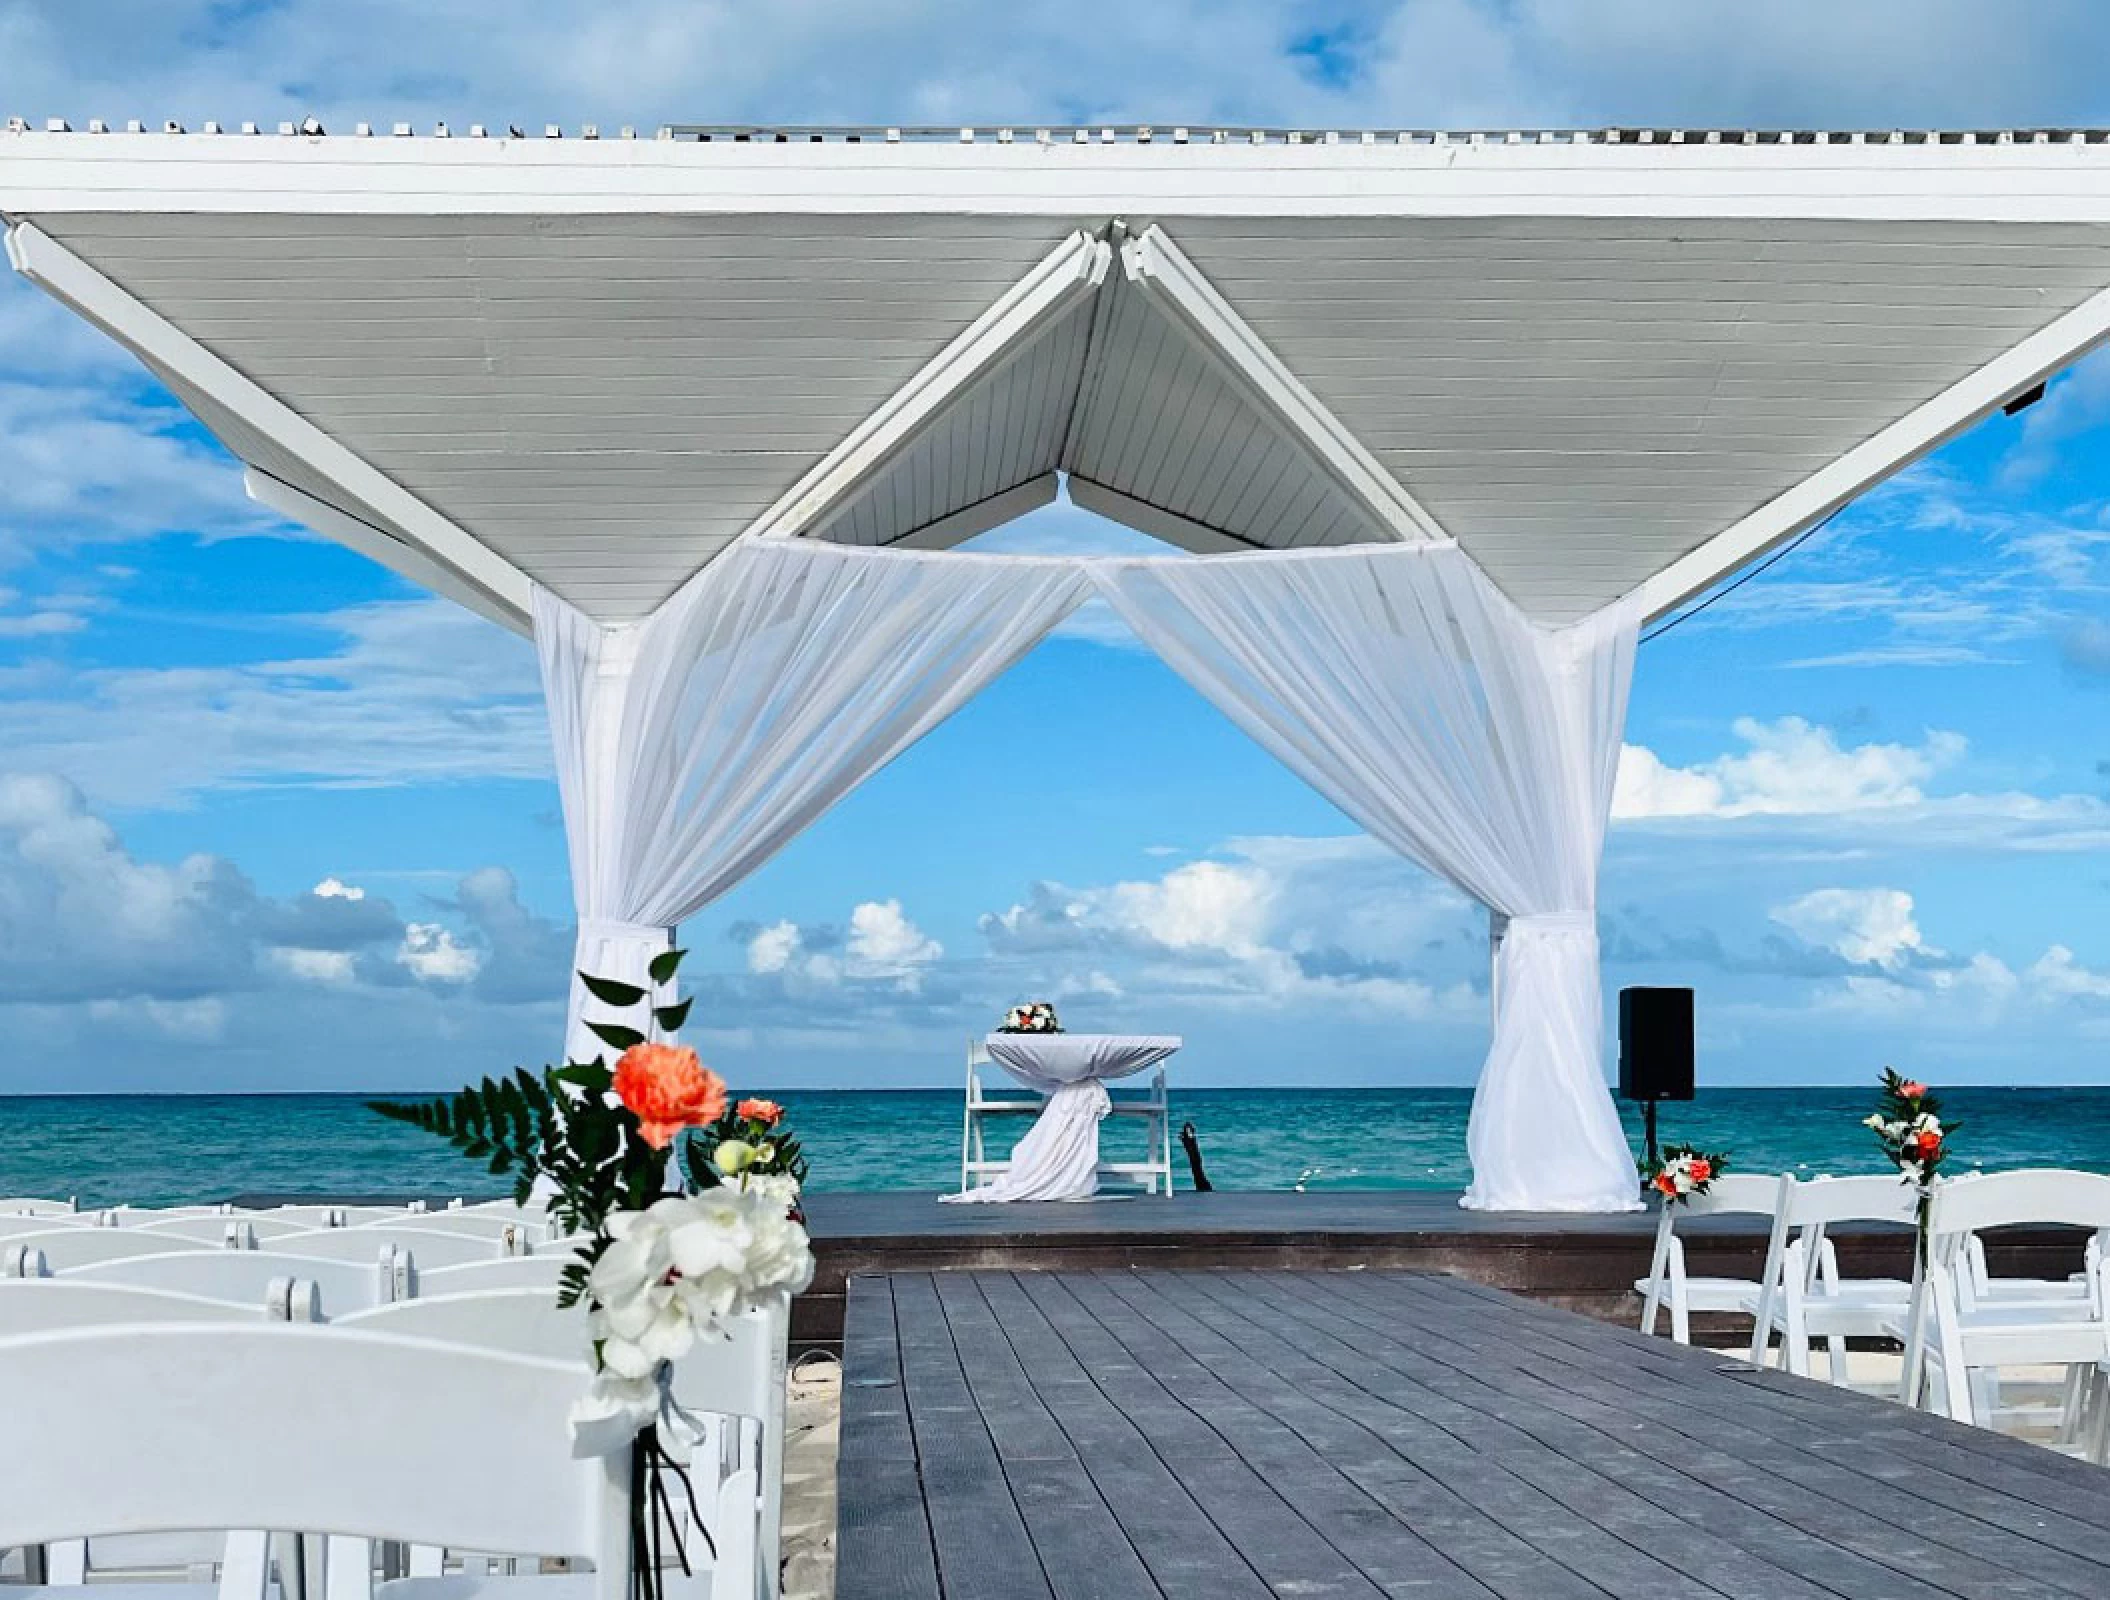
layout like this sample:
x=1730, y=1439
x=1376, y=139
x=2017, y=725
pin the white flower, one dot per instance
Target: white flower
x=611, y=1413
x=1924, y=1123
x=1874, y=1121
x=778, y=1186
x=733, y=1156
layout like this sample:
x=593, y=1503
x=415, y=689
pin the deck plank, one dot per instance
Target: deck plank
x=1153, y=1435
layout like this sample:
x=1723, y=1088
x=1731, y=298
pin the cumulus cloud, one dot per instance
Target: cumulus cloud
x=1265, y=924
x=432, y=954
x=1874, y=926
x=1787, y=768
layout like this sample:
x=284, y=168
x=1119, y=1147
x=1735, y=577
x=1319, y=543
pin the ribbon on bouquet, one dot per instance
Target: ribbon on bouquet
x=652, y=1506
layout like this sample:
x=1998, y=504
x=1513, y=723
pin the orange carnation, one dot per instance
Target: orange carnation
x=1702, y=1169
x=668, y=1089
x=766, y=1112
x=1666, y=1183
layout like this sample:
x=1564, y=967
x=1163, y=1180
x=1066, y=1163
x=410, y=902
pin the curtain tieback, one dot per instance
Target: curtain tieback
x=1550, y=923
x=611, y=928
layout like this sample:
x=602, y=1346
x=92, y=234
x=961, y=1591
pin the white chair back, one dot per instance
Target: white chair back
x=422, y=1442
x=1819, y=1202
x=245, y=1275
x=515, y=1225
x=432, y=1249
x=242, y=1231
x=39, y=1222
x=2043, y=1196
x=34, y=1305
x=22, y=1205
x=134, y=1216
x=1731, y=1194
x=68, y=1248
x=513, y=1272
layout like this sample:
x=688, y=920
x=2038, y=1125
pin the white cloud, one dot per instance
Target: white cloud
x=1872, y=926
x=883, y=943
x=774, y=948
x=413, y=692
x=1787, y=768
x=431, y=954
x=2059, y=974
x=315, y=966
x=335, y=889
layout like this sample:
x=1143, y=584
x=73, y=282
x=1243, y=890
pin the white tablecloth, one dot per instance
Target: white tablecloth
x=1058, y=1159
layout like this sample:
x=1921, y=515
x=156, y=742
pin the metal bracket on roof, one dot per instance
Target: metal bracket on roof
x=1071, y=271
x=1161, y=271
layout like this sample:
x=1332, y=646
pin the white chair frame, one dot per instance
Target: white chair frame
x=1805, y=1297
x=332, y=1287
x=1669, y=1285
x=977, y=1167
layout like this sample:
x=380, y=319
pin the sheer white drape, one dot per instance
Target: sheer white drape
x=694, y=745
x=1407, y=689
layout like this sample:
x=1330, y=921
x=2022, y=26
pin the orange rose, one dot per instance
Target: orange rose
x=766, y=1112
x=668, y=1089
x=1911, y=1090
x=1925, y=1144
x=1666, y=1183
x=1702, y=1169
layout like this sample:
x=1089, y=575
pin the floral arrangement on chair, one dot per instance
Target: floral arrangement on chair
x=1683, y=1171
x=1909, y=1126
x=1035, y=1017
x=658, y=1272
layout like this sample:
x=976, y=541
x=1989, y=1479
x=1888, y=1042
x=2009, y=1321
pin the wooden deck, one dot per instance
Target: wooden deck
x=1246, y=1435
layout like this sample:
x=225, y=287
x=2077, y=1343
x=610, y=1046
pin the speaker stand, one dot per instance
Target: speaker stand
x=1648, y=1127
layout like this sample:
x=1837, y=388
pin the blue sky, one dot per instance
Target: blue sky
x=1865, y=812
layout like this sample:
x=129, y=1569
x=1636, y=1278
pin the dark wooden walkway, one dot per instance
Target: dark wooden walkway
x=1240, y=1436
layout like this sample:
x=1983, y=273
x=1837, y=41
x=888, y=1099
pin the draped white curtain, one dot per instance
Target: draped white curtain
x=1407, y=689
x=694, y=745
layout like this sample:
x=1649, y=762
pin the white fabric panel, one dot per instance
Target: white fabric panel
x=1406, y=688
x=1058, y=1159
x=694, y=745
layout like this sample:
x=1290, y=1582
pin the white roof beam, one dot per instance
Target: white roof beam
x=1169, y=526
x=378, y=544
x=1164, y=275
x=1073, y=269
x=979, y=518
x=445, y=545
x=2057, y=345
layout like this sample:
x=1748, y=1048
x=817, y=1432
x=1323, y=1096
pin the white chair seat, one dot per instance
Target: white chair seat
x=125, y=1587
x=1712, y=1294
x=674, y=1583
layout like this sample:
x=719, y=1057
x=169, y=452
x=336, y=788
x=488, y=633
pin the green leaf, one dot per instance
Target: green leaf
x=611, y=993
x=616, y=1034
x=670, y=1018
x=592, y=1077
x=665, y=965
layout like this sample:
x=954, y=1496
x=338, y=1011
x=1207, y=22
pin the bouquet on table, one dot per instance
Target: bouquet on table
x=1035, y=1017
x=1909, y=1126
x=658, y=1272
x=1683, y=1171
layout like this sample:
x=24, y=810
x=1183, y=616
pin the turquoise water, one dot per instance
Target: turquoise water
x=185, y=1149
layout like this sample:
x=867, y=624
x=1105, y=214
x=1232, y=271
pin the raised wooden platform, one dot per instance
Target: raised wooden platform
x=1242, y=1436
x=1582, y=1263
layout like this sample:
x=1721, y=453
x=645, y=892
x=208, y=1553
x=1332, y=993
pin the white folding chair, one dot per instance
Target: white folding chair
x=38, y=1222
x=976, y=1167
x=237, y=1232
x=1668, y=1283
x=1805, y=1296
x=341, y=1286
x=740, y=1376
x=1959, y=1334
x=1152, y=1106
x=421, y=1442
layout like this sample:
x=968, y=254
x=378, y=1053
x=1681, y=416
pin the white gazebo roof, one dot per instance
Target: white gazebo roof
x=1601, y=362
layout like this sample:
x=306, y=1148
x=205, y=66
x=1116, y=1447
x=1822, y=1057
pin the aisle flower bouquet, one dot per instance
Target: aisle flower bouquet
x=1036, y=1017
x=658, y=1272
x=1908, y=1124
x=1683, y=1171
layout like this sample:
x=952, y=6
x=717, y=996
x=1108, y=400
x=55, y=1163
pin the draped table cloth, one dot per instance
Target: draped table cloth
x=1058, y=1159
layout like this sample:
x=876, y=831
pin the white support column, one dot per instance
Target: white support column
x=2055, y=346
x=1073, y=269
x=1158, y=268
x=195, y=373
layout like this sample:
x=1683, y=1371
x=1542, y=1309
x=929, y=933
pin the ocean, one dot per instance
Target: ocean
x=191, y=1149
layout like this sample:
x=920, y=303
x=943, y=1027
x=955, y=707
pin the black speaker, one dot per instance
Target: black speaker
x=1655, y=1044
